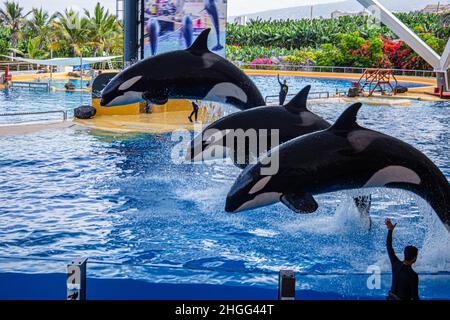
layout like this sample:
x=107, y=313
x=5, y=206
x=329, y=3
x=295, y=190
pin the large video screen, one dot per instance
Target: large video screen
x=175, y=24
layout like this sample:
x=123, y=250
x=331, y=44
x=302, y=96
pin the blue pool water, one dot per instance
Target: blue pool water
x=77, y=192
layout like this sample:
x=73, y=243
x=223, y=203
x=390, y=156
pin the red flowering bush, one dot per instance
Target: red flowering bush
x=401, y=56
x=260, y=61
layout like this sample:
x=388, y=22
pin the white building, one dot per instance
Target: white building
x=242, y=20
x=338, y=13
x=436, y=8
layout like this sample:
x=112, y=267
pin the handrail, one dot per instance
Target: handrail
x=35, y=113
x=327, y=94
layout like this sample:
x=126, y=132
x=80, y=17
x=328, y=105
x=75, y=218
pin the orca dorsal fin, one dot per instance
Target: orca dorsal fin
x=299, y=102
x=200, y=45
x=348, y=120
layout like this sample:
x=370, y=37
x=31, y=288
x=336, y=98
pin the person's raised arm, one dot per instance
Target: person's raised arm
x=279, y=80
x=392, y=256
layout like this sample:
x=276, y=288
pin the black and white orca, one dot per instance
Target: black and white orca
x=154, y=29
x=187, y=30
x=343, y=157
x=211, y=8
x=195, y=73
x=290, y=121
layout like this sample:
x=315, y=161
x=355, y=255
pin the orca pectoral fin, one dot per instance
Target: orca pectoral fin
x=364, y=203
x=300, y=203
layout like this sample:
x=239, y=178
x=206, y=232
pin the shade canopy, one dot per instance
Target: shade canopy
x=61, y=62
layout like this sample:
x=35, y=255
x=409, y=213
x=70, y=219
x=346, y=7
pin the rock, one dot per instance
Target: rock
x=85, y=112
x=401, y=89
x=275, y=60
x=353, y=92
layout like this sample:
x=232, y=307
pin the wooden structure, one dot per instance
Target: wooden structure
x=373, y=79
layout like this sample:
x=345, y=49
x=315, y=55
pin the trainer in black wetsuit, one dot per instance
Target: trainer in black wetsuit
x=284, y=90
x=405, y=281
x=194, y=112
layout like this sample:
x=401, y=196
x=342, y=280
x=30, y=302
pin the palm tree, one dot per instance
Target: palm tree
x=33, y=49
x=13, y=18
x=103, y=27
x=40, y=23
x=71, y=31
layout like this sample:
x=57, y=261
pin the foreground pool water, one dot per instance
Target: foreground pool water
x=123, y=199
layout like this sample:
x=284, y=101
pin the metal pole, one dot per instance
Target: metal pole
x=81, y=79
x=51, y=67
x=286, y=285
x=76, y=280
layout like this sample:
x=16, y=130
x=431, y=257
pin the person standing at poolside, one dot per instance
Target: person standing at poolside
x=405, y=281
x=284, y=90
x=194, y=112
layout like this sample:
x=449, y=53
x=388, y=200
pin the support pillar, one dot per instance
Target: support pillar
x=76, y=280
x=286, y=285
x=131, y=43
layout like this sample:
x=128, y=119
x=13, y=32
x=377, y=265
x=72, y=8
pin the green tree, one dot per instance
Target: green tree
x=13, y=17
x=5, y=35
x=40, y=23
x=103, y=27
x=33, y=49
x=72, y=31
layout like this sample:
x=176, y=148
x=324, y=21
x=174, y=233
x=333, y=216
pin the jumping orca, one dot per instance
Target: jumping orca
x=153, y=26
x=211, y=8
x=187, y=31
x=345, y=156
x=291, y=121
x=195, y=73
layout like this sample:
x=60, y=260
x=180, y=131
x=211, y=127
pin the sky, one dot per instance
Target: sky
x=235, y=7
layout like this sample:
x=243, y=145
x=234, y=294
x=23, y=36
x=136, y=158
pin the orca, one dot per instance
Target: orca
x=343, y=157
x=211, y=8
x=187, y=31
x=154, y=29
x=194, y=74
x=291, y=121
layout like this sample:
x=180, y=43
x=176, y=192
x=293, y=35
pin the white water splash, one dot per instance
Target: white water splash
x=434, y=255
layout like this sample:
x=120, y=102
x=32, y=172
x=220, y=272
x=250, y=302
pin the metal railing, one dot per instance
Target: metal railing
x=332, y=69
x=18, y=66
x=312, y=96
x=15, y=66
x=30, y=85
x=20, y=114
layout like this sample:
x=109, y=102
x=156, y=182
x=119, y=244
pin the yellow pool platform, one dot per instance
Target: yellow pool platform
x=162, y=119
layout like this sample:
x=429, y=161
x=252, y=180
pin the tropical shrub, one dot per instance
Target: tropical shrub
x=329, y=55
x=346, y=41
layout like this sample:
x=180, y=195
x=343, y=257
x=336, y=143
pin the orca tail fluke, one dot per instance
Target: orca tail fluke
x=364, y=203
x=219, y=47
